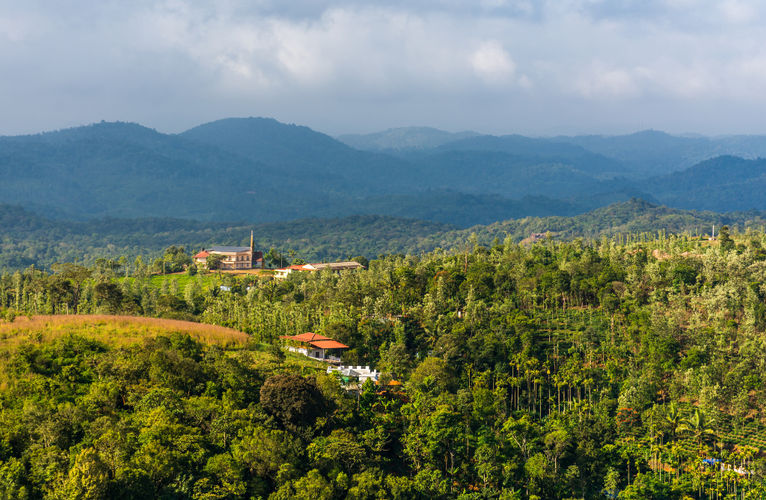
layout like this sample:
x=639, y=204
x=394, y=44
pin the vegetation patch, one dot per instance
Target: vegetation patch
x=112, y=330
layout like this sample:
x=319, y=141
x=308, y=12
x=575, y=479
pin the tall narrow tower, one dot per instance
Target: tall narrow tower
x=252, y=251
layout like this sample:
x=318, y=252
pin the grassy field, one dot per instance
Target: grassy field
x=111, y=330
x=123, y=331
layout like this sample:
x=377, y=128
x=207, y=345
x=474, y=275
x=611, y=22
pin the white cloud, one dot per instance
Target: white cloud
x=599, y=81
x=738, y=12
x=354, y=65
x=492, y=62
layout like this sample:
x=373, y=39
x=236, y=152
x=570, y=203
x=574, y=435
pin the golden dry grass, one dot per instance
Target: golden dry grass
x=112, y=330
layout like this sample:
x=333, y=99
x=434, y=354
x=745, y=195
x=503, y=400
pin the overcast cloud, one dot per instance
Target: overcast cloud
x=498, y=66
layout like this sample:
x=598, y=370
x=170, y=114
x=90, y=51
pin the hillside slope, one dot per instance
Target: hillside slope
x=41, y=242
x=304, y=157
x=258, y=170
x=403, y=139
x=112, y=330
x=651, y=152
x=722, y=183
x=112, y=169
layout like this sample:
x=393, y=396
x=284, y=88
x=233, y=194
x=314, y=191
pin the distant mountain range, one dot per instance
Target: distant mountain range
x=258, y=170
x=643, y=154
x=404, y=139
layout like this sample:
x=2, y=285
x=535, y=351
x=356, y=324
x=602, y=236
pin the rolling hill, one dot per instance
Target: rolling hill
x=112, y=330
x=719, y=184
x=403, y=139
x=302, y=157
x=259, y=170
x=112, y=169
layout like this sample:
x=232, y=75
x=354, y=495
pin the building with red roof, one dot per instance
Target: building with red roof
x=314, y=346
x=232, y=257
x=331, y=266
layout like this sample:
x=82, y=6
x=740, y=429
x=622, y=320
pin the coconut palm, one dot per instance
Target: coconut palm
x=697, y=425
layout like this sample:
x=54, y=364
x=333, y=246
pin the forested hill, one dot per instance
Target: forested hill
x=259, y=170
x=634, y=216
x=657, y=153
x=297, y=153
x=404, y=139
x=28, y=239
x=722, y=183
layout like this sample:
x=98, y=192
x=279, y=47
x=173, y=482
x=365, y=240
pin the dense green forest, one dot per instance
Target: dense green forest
x=28, y=239
x=627, y=367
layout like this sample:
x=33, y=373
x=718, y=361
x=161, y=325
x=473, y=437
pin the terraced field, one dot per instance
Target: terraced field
x=752, y=435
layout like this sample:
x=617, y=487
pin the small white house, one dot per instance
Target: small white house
x=360, y=373
x=332, y=266
x=314, y=346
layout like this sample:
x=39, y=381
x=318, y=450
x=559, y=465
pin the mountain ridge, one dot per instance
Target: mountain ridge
x=261, y=170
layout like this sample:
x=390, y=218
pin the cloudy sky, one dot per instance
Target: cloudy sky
x=498, y=66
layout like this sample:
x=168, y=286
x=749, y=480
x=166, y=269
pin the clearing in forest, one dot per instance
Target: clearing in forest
x=112, y=330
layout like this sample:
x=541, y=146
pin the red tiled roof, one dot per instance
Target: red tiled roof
x=328, y=344
x=306, y=337
x=202, y=255
x=319, y=341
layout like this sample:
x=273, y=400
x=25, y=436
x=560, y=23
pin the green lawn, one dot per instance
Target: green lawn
x=183, y=279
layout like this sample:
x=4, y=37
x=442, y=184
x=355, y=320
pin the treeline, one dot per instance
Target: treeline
x=27, y=239
x=626, y=366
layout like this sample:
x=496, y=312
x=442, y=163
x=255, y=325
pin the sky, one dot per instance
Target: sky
x=542, y=67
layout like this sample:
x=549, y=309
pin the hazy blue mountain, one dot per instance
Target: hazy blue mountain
x=480, y=172
x=403, y=139
x=128, y=170
x=465, y=210
x=298, y=153
x=650, y=152
x=260, y=170
x=724, y=183
x=511, y=166
x=540, y=151
x=745, y=146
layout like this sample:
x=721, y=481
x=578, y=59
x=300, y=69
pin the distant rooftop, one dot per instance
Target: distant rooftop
x=335, y=266
x=228, y=249
x=316, y=340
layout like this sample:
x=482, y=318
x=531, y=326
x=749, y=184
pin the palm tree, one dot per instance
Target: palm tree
x=697, y=425
x=673, y=417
